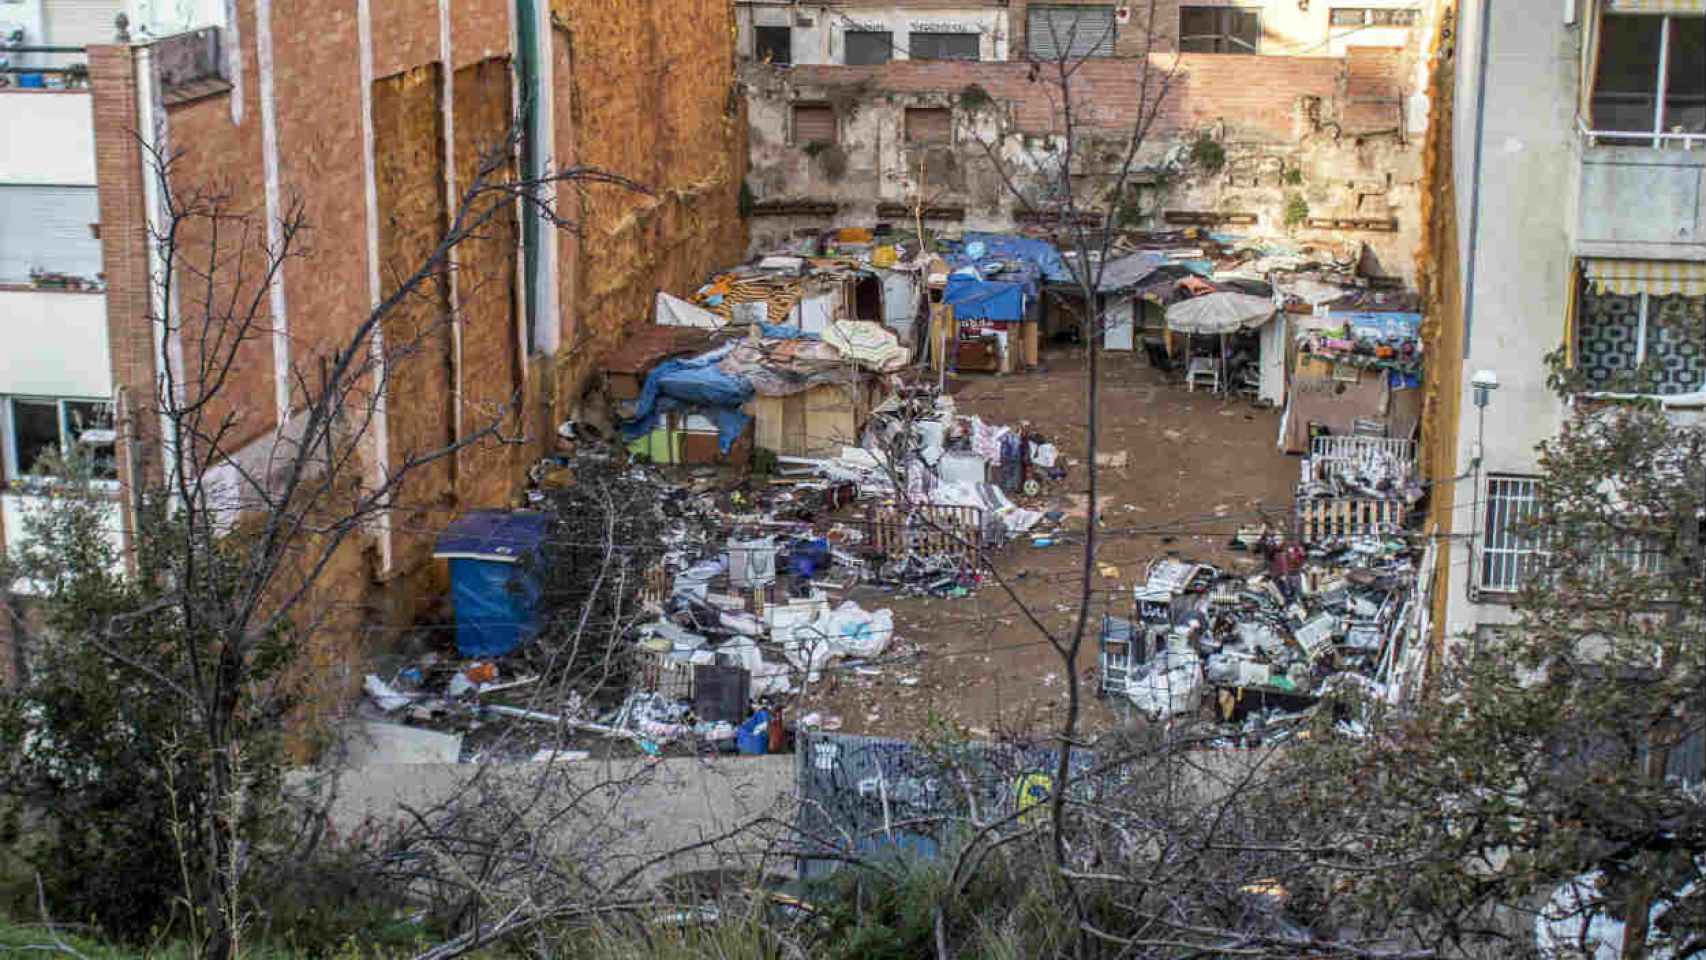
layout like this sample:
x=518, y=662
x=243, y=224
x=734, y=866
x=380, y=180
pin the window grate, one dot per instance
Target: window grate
x=1510, y=552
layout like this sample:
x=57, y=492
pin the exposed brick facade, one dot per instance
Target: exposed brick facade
x=124, y=252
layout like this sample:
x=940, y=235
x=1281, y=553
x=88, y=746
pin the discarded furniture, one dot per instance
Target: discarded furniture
x=1203, y=370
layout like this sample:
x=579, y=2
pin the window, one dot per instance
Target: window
x=1062, y=32
x=942, y=46
x=1650, y=78
x=47, y=235
x=814, y=123
x=1371, y=17
x=1641, y=342
x=1218, y=30
x=773, y=45
x=928, y=125
x=862, y=47
x=36, y=427
x=1510, y=550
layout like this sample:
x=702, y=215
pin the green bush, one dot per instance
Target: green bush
x=1207, y=154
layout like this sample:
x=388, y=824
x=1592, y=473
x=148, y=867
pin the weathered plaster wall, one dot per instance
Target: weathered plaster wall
x=1328, y=132
x=822, y=41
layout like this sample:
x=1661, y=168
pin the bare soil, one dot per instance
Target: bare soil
x=1197, y=468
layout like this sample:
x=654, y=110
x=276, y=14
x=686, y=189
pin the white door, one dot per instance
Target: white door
x=1121, y=329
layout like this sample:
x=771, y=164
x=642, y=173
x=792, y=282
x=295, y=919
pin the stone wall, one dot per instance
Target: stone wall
x=1300, y=138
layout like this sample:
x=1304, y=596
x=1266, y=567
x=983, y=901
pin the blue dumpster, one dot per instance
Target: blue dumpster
x=495, y=568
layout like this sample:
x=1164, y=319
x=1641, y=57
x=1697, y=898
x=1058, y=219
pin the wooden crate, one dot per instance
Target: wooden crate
x=1348, y=517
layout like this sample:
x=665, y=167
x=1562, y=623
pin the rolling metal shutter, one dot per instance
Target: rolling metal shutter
x=79, y=23
x=47, y=228
x=1075, y=32
x=814, y=123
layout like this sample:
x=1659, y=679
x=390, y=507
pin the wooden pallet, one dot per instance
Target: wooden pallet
x=927, y=530
x=1348, y=517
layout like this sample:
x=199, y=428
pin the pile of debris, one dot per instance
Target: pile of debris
x=1260, y=651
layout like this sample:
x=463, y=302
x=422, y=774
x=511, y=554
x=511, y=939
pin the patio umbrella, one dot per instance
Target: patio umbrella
x=1220, y=313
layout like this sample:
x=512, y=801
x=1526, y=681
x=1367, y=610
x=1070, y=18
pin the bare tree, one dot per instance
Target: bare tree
x=233, y=548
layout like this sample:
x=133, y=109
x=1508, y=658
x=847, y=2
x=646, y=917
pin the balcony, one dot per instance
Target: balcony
x=1638, y=202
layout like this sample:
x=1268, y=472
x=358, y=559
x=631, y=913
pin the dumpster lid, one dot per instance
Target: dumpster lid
x=500, y=535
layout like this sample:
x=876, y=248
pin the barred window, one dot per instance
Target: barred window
x=1510, y=551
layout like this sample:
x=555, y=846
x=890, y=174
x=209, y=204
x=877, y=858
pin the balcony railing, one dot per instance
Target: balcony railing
x=1660, y=140
x=67, y=67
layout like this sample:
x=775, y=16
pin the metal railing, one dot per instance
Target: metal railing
x=1658, y=139
x=69, y=74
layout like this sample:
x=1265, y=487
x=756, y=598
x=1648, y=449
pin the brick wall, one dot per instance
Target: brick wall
x=124, y=254
x=1255, y=97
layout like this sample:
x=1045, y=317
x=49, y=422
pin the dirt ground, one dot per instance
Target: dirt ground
x=1197, y=468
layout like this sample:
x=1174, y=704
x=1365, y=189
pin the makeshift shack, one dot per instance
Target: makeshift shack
x=1223, y=314
x=495, y=581
x=1354, y=374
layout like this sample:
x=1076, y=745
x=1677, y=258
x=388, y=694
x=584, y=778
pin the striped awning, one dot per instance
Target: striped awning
x=1656, y=6
x=1657, y=277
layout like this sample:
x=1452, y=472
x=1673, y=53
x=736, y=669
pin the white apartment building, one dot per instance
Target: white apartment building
x=1579, y=161
x=56, y=380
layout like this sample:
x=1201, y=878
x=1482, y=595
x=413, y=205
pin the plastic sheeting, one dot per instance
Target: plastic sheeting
x=974, y=299
x=697, y=383
x=1040, y=254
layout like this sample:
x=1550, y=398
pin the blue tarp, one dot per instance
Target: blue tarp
x=694, y=383
x=781, y=331
x=974, y=299
x=1038, y=253
x=494, y=578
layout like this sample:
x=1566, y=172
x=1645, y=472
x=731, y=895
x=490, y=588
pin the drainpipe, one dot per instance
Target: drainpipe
x=147, y=125
x=527, y=81
x=1475, y=173
x=1469, y=273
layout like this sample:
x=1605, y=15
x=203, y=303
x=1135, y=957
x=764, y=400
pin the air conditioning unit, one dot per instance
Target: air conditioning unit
x=1122, y=14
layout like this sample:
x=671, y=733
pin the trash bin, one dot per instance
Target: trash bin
x=495, y=578
x=753, y=736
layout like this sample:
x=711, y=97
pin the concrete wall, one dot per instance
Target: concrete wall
x=1289, y=126
x=47, y=137
x=1641, y=203
x=1516, y=148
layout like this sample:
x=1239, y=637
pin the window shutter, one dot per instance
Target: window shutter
x=814, y=123
x=79, y=23
x=1075, y=32
x=929, y=125
x=47, y=228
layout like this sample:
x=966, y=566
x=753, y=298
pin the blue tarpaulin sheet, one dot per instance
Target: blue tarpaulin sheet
x=784, y=331
x=1039, y=253
x=494, y=578
x=694, y=383
x=974, y=299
